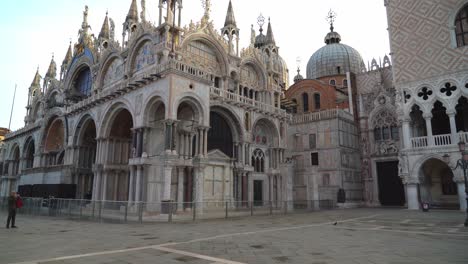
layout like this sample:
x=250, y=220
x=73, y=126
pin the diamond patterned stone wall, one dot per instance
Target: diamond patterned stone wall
x=421, y=39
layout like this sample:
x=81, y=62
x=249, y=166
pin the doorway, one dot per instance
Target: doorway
x=258, y=193
x=391, y=190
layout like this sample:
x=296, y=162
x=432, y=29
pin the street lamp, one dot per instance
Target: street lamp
x=463, y=164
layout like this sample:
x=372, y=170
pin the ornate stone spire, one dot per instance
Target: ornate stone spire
x=37, y=79
x=230, y=19
x=132, y=12
x=270, y=38
x=52, y=71
x=230, y=30
x=105, y=30
x=68, y=56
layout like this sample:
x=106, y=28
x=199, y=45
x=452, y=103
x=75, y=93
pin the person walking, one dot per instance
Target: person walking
x=11, y=210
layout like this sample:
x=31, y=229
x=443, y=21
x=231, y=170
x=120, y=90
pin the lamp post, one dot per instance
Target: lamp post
x=463, y=164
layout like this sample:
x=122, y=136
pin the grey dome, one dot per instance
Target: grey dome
x=326, y=60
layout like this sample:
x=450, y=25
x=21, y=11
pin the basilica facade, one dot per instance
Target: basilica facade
x=182, y=113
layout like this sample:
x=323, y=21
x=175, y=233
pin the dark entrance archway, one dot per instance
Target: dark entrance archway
x=220, y=135
x=86, y=145
x=391, y=191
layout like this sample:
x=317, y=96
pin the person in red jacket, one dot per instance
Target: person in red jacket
x=11, y=210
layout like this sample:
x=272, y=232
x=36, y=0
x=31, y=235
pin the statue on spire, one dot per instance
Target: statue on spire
x=331, y=17
x=143, y=11
x=207, y=7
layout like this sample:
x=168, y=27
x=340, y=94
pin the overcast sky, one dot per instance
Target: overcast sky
x=34, y=29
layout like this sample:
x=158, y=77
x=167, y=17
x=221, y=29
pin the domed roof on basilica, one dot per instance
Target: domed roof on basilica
x=334, y=58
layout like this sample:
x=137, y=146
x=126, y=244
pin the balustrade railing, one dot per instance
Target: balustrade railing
x=443, y=140
x=419, y=142
x=463, y=136
x=321, y=115
x=438, y=140
x=234, y=97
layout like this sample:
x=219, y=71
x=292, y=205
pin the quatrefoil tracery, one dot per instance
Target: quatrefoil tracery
x=448, y=89
x=425, y=93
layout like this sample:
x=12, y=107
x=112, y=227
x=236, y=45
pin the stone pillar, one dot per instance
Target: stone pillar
x=131, y=185
x=205, y=141
x=406, y=133
x=104, y=186
x=461, y=195
x=167, y=183
x=199, y=192
x=139, y=142
x=430, y=138
x=287, y=173
x=116, y=179
x=174, y=136
x=412, y=196
x=197, y=143
x=191, y=145
x=97, y=185
x=138, y=184
x=168, y=136
x=180, y=189
x=453, y=127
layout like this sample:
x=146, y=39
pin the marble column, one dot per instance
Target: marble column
x=168, y=136
x=406, y=133
x=453, y=127
x=167, y=183
x=174, y=136
x=412, y=196
x=138, y=184
x=430, y=138
x=180, y=189
x=206, y=141
x=104, y=185
x=199, y=192
x=97, y=185
x=116, y=176
x=131, y=186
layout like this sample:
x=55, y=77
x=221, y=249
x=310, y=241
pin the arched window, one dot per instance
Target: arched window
x=83, y=82
x=332, y=82
x=317, y=101
x=385, y=126
x=345, y=83
x=258, y=160
x=294, y=108
x=305, y=102
x=461, y=27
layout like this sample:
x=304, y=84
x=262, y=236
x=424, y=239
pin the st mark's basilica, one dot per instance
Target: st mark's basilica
x=182, y=113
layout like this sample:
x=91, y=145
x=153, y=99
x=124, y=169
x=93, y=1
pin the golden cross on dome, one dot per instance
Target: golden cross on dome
x=331, y=17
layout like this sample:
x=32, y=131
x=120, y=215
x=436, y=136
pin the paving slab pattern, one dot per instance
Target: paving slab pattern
x=340, y=236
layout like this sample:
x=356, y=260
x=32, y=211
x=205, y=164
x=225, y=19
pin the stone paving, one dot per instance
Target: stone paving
x=339, y=236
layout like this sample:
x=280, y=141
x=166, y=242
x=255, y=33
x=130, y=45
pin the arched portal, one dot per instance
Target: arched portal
x=117, y=155
x=54, y=143
x=188, y=121
x=15, y=159
x=220, y=135
x=155, y=116
x=437, y=186
x=86, y=152
x=440, y=120
x=391, y=190
x=29, y=151
x=418, y=123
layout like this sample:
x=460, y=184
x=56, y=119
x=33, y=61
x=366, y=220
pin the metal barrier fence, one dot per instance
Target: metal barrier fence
x=142, y=212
